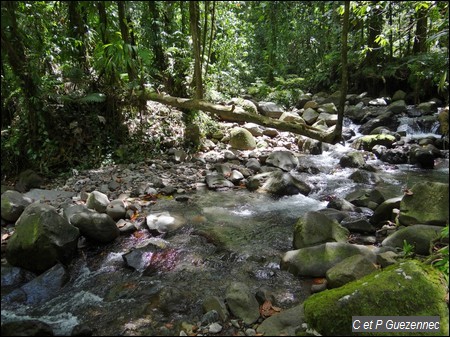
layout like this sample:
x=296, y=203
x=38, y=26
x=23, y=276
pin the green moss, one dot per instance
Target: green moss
x=369, y=141
x=406, y=289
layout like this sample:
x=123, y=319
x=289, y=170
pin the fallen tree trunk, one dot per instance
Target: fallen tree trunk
x=238, y=114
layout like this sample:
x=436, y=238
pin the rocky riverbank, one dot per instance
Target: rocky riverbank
x=151, y=222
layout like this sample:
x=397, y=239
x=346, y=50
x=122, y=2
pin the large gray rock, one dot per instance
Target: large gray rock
x=310, y=116
x=285, y=323
x=384, y=212
x=270, y=109
x=97, y=201
x=397, y=107
x=387, y=119
x=419, y=236
x=43, y=287
x=352, y=159
x=96, y=226
x=116, y=209
x=41, y=239
x=246, y=104
x=316, y=228
x=315, y=261
x=242, y=303
x=12, y=205
x=348, y=270
x=428, y=205
x=283, y=183
x=215, y=181
x=284, y=160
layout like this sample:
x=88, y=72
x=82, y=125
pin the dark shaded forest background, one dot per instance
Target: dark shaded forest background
x=74, y=72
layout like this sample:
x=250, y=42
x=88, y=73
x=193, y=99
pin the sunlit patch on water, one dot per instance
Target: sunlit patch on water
x=244, y=212
x=113, y=259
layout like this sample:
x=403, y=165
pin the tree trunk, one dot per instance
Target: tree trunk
x=183, y=18
x=273, y=37
x=160, y=61
x=77, y=31
x=237, y=114
x=208, y=60
x=123, y=23
x=344, y=84
x=103, y=21
x=420, y=45
x=194, y=12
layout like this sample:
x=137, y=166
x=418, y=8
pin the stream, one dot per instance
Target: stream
x=232, y=235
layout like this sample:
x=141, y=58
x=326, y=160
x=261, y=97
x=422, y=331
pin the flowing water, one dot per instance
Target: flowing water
x=228, y=236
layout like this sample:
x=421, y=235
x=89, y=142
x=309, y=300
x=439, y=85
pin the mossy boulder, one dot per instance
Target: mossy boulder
x=352, y=159
x=316, y=228
x=242, y=139
x=427, y=205
x=242, y=302
x=41, y=239
x=419, y=236
x=406, y=289
x=348, y=270
x=369, y=141
x=315, y=261
x=12, y=205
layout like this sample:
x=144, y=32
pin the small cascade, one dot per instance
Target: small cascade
x=416, y=125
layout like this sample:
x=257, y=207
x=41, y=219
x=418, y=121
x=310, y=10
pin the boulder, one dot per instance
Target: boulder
x=270, y=109
x=315, y=261
x=316, y=228
x=348, y=270
x=216, y=180
x=414, y=289
x=352, y=159
x=41, y=239
x=283, y=183
x=384, y=211
x=427, y=204
x=242, y=139
x=285, y=160
x=242, y=303
x=419, y=236
x=97, y=201
x=12, y=205
x=285, y=323
x=367, y=142
x=95, y=226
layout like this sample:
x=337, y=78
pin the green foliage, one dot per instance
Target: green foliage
x=440, y=255
x=285, y=91
x=428, y=68
x=407, y=250
x=276, y=49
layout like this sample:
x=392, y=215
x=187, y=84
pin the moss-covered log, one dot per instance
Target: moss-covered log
x=238, y=114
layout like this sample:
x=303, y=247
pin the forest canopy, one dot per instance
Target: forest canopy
x=74, y=72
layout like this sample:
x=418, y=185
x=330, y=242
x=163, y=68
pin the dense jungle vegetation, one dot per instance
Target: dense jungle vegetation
x=74, y=73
